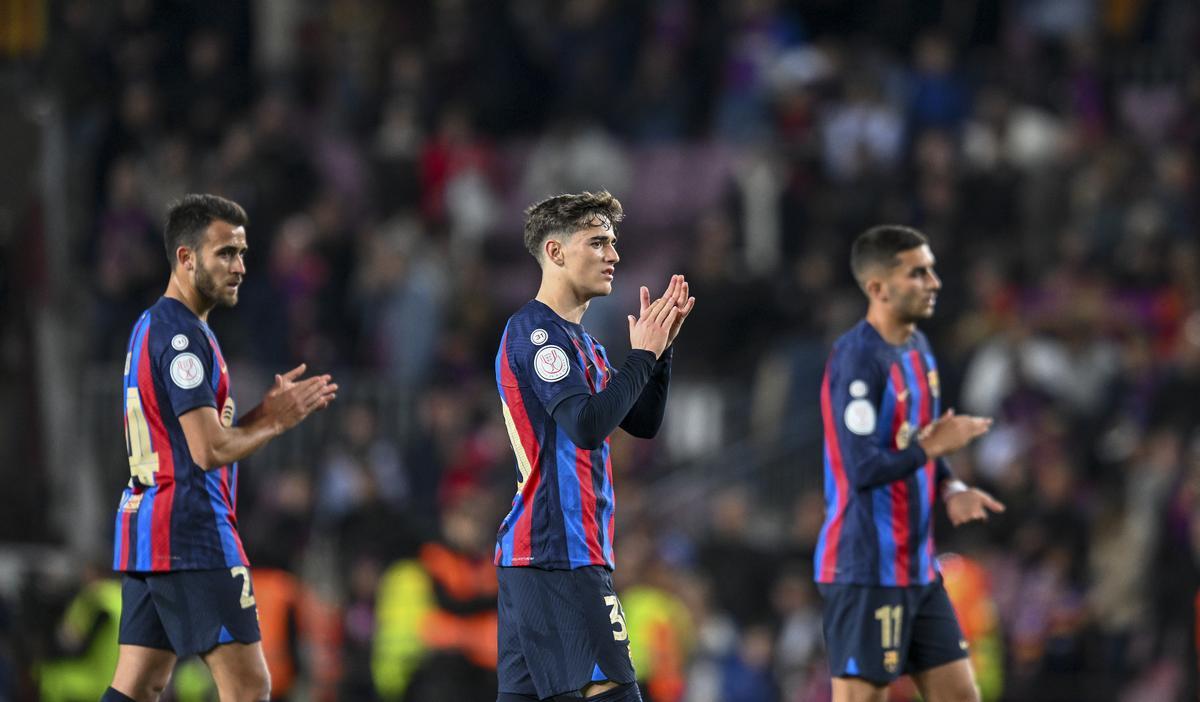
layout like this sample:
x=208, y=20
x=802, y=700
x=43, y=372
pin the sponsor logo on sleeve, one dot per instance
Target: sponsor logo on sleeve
x=186, y=371
x=551, y=364
x=179, y=342
x=538, y=337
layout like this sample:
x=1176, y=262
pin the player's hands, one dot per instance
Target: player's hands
x=651, y=329
x=677, y=295
x=950, y=432
x=970, y=505
x=290, y=400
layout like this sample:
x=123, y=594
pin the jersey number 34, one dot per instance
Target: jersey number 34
x=143, y=460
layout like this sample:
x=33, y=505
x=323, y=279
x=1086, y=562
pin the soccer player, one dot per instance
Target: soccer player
x=186, y=586
x=562, y=632
x=886, y=612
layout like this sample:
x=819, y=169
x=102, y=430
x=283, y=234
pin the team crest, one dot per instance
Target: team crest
x=186, y=371
x=935, y=383
x=228, y=412
x=179, y=342
x=538, y=337
x=904, y=436
x=551, y=364
x=891, y=661
x=132, y=504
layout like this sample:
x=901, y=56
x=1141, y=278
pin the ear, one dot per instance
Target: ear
x=876, y=290
x=184, y=257
x=552, y=252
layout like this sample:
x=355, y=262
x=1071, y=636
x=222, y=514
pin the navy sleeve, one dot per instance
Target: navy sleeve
x=856, y=384
x=551, y=367
x=589, y=419
x=646, y=415
x=944, y=472
x=186, y=366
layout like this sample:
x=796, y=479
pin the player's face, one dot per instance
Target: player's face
x=590, y=257
x=221, y=263
x=912, y=285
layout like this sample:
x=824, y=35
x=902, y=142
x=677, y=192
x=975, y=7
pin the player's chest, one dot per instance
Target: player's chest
x=592, y=357
x=912, y=395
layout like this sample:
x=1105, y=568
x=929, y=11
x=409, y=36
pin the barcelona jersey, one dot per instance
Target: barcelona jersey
x=562, y=514
x=173, y=515
x=880, y=488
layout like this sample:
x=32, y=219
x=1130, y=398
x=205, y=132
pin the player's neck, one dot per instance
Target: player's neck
x=893, y=331
x=563, y=300
x=189, y=296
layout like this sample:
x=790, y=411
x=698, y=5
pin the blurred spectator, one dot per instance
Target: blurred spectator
x=86, y=642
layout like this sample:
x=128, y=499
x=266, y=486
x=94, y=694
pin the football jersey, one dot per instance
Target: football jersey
x=880, y=488
x=562, y=513
x=173, y=515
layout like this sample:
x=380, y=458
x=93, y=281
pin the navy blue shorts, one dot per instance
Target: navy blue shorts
x=881, y=633
x=559, y=631
x=188, y=611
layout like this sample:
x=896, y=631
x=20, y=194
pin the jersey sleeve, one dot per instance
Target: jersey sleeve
x=186, y=366
x=856, y=386
x=551, y=368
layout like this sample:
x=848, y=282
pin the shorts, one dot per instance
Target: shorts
x=188, y=611
x=560, y=630
x=881, y=633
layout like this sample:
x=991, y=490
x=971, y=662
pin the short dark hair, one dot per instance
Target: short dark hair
x=190, y=215
x=879, y=246
x=567, y=214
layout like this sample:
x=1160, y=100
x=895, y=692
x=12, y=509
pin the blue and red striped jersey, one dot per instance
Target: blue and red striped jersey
x=562, y=515
x=173, y=515
x=880, y=488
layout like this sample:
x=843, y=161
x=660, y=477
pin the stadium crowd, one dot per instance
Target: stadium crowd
x=384, y=152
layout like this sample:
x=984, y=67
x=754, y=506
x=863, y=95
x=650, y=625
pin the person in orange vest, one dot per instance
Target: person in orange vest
x=970, y=589
x=459, y=629
x=435, y=614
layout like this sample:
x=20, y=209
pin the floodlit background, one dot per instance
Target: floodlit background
x=385, y=151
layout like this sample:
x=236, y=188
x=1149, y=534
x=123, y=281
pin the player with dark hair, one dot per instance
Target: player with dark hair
x=186, y=587
x=886, y=612
x=562, y=633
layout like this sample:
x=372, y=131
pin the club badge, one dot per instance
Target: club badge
x=228, y=412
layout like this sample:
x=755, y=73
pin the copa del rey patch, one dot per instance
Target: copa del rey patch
x=860, y=417
x=187, y=371
x=551, y=364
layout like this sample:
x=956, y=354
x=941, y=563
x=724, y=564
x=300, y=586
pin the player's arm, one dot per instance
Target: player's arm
x=645, y=417
x=857, y=384
x=589, y=419
x=963, y=502
x=286, y=404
